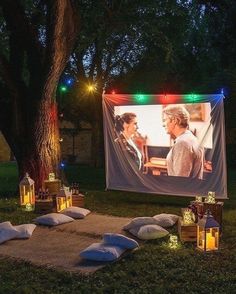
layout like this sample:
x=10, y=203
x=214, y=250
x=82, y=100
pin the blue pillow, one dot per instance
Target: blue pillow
x=119, y=240
x=101, y=252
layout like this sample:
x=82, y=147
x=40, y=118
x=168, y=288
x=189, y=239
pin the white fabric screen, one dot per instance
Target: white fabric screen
x=151, y=160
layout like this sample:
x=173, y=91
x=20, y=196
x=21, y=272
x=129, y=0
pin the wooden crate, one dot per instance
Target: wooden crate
x=52, y=186
x=44, y=206
x=78, y=200
x=187, y=233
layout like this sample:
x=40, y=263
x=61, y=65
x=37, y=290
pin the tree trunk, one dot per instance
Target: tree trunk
x=29, y=119
x=37, y=150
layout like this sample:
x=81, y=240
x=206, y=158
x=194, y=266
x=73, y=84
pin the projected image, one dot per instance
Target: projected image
x=169, y=140
x=126, y=134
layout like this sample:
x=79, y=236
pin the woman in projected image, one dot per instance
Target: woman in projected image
x=126, y=128
x=185, y=159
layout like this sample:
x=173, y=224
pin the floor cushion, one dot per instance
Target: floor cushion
x=25, y=231
x=119, y=240
x=53, y=219
x=102, y=252
x=7, y=232
x=139, y=221
x=166, y=220
x=75, y=212
x=149, y=232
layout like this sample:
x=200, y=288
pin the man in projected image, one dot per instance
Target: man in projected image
x=126, y=128
x=185, y=159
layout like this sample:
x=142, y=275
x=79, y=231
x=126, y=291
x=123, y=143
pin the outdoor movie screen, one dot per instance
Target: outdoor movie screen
x=165, y=144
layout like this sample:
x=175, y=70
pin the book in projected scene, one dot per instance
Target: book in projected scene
x=158, y=161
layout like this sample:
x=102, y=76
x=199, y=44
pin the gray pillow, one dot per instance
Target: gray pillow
x=149, y=232
x=7, y=232
x=102, y=252
x=166, y=220
x=119, y=240
x=140, y=221
x=25, y=231
x=53, y=219
x=75, y=212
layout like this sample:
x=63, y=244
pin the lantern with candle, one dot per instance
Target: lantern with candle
x=27, y=193
x=208, y=233
x=63, y=199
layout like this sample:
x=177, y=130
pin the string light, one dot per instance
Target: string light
x=63, y=88
x=91, y=88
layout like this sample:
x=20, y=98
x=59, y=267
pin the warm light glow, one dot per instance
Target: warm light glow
x=211, y=241
x=113, y=92
x=51, y=177
x=27, y=193
x=173, y=242
x=28, y=207
x=210, y=197
x=63, y=202
x=198, y=199
x=188, y=216
x=91, y=88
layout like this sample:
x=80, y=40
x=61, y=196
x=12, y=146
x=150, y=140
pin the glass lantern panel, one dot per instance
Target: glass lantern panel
x=212, y=239
x=201, y=238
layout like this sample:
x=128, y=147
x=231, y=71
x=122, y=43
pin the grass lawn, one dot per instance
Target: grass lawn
x=152, y=269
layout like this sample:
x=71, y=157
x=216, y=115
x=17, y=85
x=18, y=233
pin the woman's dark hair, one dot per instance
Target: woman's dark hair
x=121, y=119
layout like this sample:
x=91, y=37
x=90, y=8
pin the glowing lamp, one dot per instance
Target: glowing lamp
x=91, y=88
x=173, y=242
x=51, y=177
x=208, y=233
x=198, y=199
x=188, y=216
x=27, y=193
x=63, y=199
x=211, y=197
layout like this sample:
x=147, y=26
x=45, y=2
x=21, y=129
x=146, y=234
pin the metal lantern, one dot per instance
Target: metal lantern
x=208, y=233
x=63, y=199
x=27, y=193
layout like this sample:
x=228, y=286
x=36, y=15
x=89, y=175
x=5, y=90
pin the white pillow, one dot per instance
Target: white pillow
x=76, y=212
x=166, y=220
x=7, y=232
x=53, y=219
x=25, y=231
x=119, y=240
x=102, y=252
x=149, y=232
x=139, y=221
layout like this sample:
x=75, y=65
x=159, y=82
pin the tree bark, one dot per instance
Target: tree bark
x=29, y=121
